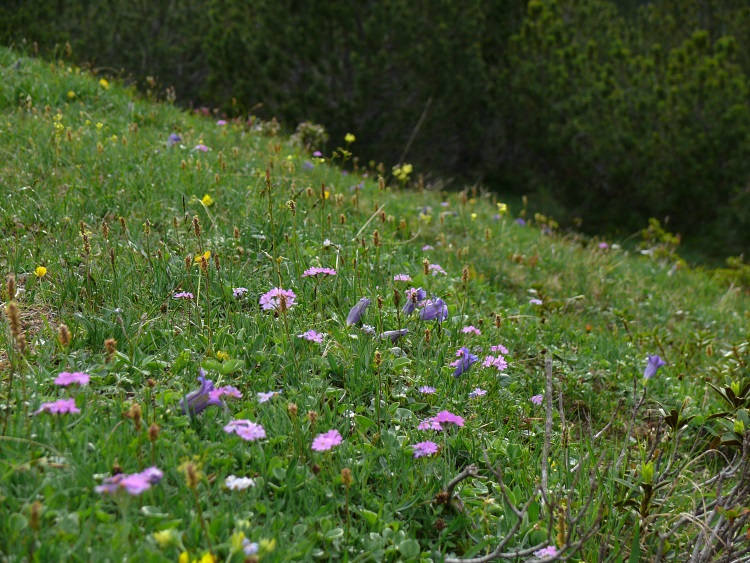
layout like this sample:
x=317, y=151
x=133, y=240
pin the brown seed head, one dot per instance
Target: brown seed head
x=35, y=513
x=426, y=266
x=346, y=477
x=427, y=335
x=112, y=256
x=376, y=238
x=153, y=432
x=342, y=219
x=396, y=297
x=465, y=274
x=312, y=416
x=188, y=262
x=217, y=263
x=197, y=226
x=292, y=410
x=122, y=224
x=380, y=302
x=147, y=227
x=110, y=346
x=236, y=233
x=63, y=335
x=10, y=287
x=378, y=358
x=105, y=230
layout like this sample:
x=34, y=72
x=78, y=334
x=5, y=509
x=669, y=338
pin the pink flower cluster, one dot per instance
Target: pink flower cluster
x=312, y=336
x=402, y=278
x=436, y=269
x=471, y=330
x=66, y=378
x=62, y=406
x=425, y=448
x=274, y=298
x=227, y=390
x=246, y=430
x=134, y=484
x=440, y=421
x=327, y=440
x=313, y=272
x=496, y=362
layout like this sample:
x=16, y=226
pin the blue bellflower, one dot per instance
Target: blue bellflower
x=414, y=297
x=357, y=311
x=173, y=139
x=654, y=363
x=394, y=334
x=196, y=401
x=464, y=361
x=434, y=309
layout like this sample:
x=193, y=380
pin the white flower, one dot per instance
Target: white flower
x=238, y=483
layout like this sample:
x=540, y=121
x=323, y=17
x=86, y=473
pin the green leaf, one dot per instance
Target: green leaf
x=409, y=548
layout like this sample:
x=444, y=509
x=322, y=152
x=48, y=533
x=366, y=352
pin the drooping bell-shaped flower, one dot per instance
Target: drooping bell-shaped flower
x=357, y=311
x=653, y=365
x=434, y=309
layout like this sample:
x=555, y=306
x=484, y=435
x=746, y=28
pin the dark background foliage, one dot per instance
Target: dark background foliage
x=607, y=111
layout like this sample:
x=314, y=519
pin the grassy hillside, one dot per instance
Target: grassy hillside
x=144, y=263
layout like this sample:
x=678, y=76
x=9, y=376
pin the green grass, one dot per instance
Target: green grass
x=92, y=192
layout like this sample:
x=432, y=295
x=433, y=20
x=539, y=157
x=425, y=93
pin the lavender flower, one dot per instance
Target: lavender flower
x=471, y=330
x=276, y=297
x=496, y=362
x=312, y=336
x=246, y=430
x=464, y=361
x=134, y=484
x=415, y=296
x=62, y=406
x=549, y=551
x=425, y=448
x=430, y=424
x=173, y=139
x=478, y=392
x=535, y=301
x=65, y=378
x=227, y=390
x=427, y=247
x=436, y=269
x=499, y=348
x=654, y=363
x=521, y=221
x=196, y=401
x=355, y=315
x=427, y=390
x=367, y=329
x=183, y=295
x=537, y=399
x=434, y=309
x=307, y=165
x=265, y=397
x=238, y=483
x=402, y=278
x=447, y=417
x=394, y=334
x=327, y=440
x=314, y=272
x=239, y=292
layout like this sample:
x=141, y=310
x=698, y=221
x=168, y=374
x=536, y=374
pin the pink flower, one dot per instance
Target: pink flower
x=436, y=269
x=65, y=378
x=221, y=122
x=477, y=393
x=201, y=147
x=63, y=406
x=500, y=348
x=426, y=390
x=274, y=299
x=427, y=247
x=497, y=362
x=183, y=295
x=430, y=424
x=402, y=278
x=134, y=484
x=246, y=430
x=313, y=272
x=425, y=448
x=471, y=330
x=312, y=336
x=326, y=441
x=536, y=301
x=537, y=399
x=603, y=245
x=447, y=417
x=265, y=397
x=549, y=551
x=227, y=390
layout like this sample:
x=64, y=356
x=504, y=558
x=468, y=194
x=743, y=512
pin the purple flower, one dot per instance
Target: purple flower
x=65, y=378
x=173, y=139
x=427, y=390
x=414, y=296
x=535, y=301
x=500, y=348
x=477, y=393
x=355, y=315
x=471, y=330
x=427, y=247
x=436, y=269
x=402, y=278
x=265, y=397
x=549, y=551
x=464, y=361
x=434, y=309
x=654, y=363
x=307, y=165
x=246, y=430
x=227, y=390
x=312, y=336
x=183, y=295
x=314, y=272
x=367, y=329
x=221, y=122
x=134, y=484
x=317, y=154
x=250, y=548
x=521, y=221
x=239, y=292
x=278, y=299
x=497, y=362
x=326, y=441
x=447, y=417
x=62, y=406
x=425, y=448
x=394, y=334
x=430, y=424
x=196, y=401
x=603, y=245
x=201, y=147
x=537, y=399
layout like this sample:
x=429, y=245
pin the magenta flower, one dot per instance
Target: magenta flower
x=550, y=551
x=427, y=390
x=221, y=122
x=603, y=245
x=326, y=441
x=183, y=295
x=312, y=336
x=464, y=361
x=446, y=417
x=430, y=424
x=477, y=393
x=425, y=448
x=537, y=399
x=317, y=154
x=355, y=315
x=133, y=484
x=265, y=397
x=278, y=299
x=246, y=430
x=500, y=348
x=314, y=272
x=436, y=269
x=496, y=362
x=471, y=330
x=402, y=278
x=65, y=378
x=62, y=406
x=239, y=292
x=654, y=363
x=227, y=390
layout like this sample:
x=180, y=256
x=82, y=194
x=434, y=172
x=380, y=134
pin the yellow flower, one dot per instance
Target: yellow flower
x=236, y=541
x=99, y=126
x=184, y=557
x=40, y=271
x=502, y=208
x=349, y=138
x=222, y=356
x=207, y=200
x=327, y=194
x=71, y=94
x=205, y=257
x=473, y=216
x=207, y=558
x=166, y=538
x=103, y=83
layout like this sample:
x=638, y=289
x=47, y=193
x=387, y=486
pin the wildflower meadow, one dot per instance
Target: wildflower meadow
x=220, y=345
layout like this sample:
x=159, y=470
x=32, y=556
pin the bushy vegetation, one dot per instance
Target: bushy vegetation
x=515, y=407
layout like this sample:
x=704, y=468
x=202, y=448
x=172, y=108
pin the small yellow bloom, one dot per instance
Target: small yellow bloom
x=206, y=256
x=40, y=271
x=99, y=126
x=473, y=216
x=502, y=208
x=103, y=83
x=222, y=356
x=207, y=558
x=267, y=546
x=327, y=194
x=236, y=541
x=184, y=557
x=71, y=94
x=166, y=538
x=207, y=200
x=349, y=138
